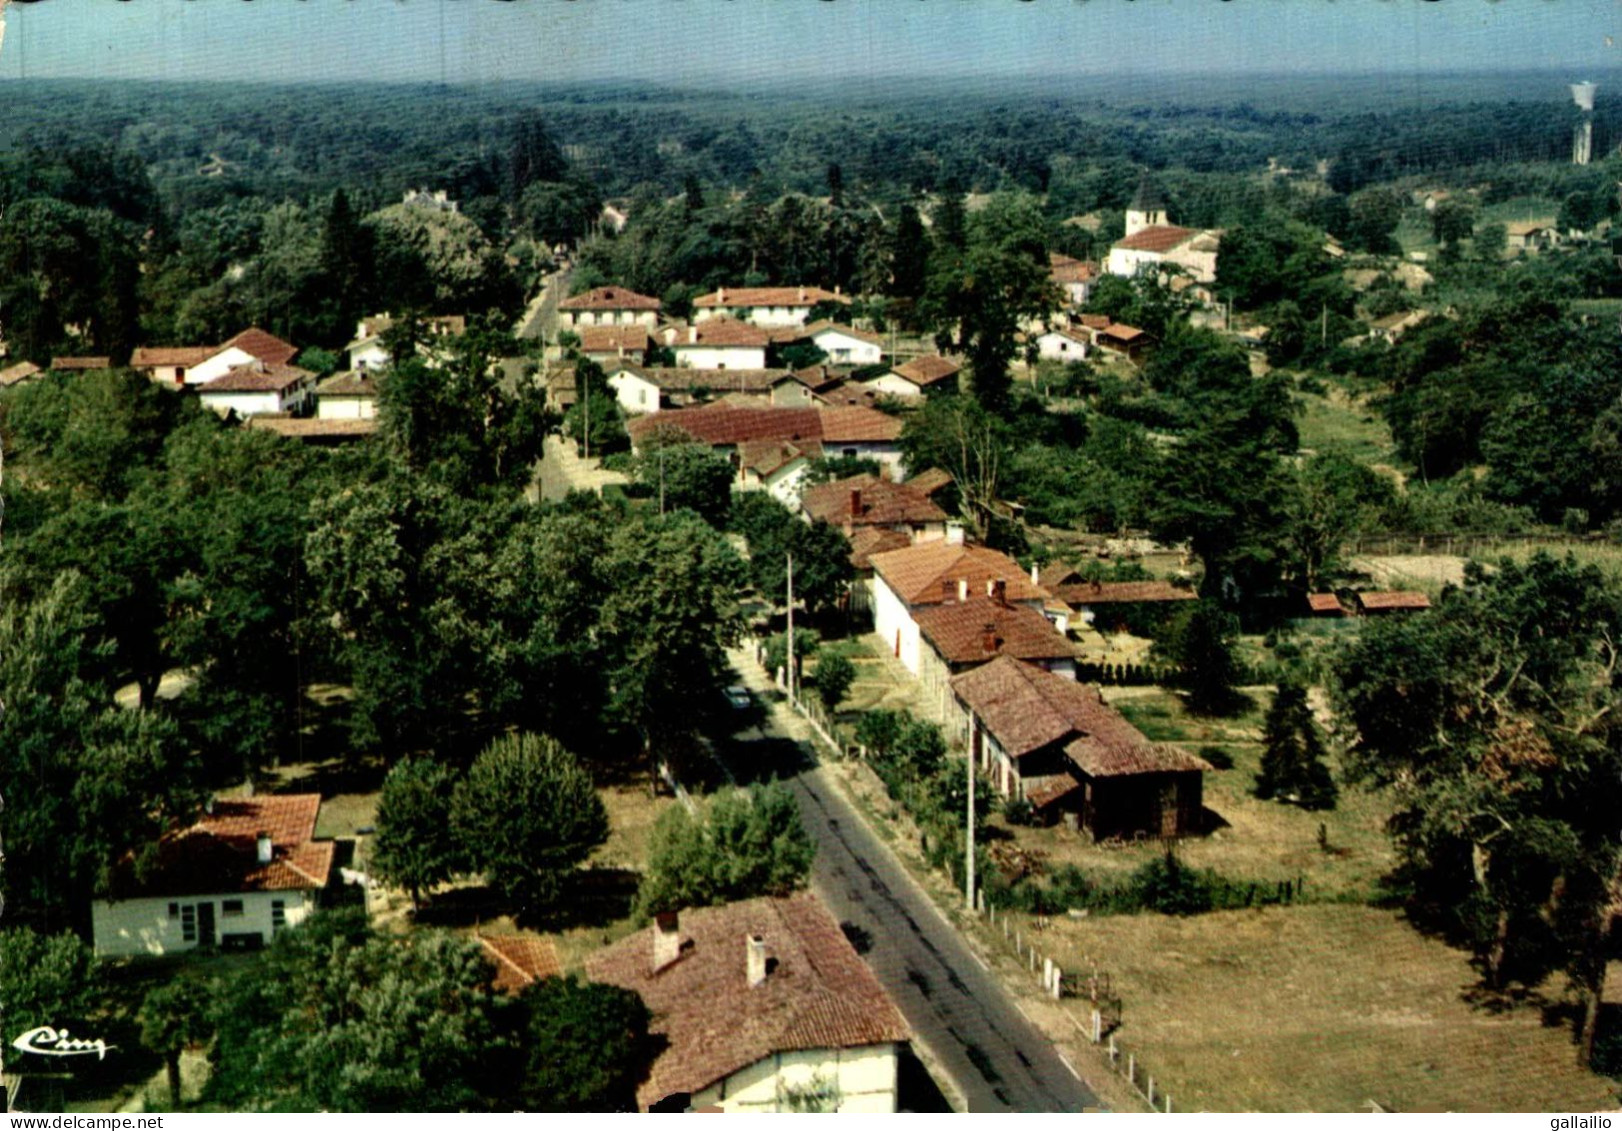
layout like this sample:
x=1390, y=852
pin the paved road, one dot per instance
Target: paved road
x=999, y=1060
x=541, y=316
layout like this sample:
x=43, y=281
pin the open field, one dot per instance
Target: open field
x=1322, y=1008
x=1335, y=421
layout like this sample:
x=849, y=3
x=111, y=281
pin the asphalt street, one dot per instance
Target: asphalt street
x=998, y=1060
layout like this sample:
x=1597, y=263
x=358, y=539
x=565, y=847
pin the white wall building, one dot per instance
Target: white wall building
x=764, y=306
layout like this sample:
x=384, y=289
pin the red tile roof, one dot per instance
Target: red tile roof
x=610, y=298
x=150, y=357
x=727, y=425
x=1120, y=592
x=1027, y=709
x=865, y=541
x=931, y=480
x=1121, y=332
x=218, y=854
x=267, y=347
x=313, y=428
x=520, y=960
x=925, y=371
x=817, y=995
x=768, y=296
x=256, y=377
x=15, y=374
x=71, y=363
x=1159, y=238
x=1094, y=321
x=867, y=500
x=960, y=632
x=350, y=383
x=1381, y=600
x=1324, y=603
x=721, y=332
x=1064, y=269
x=681, y=378
x=612, y=339
x=915, y=574
x=766, y=457
x=827, y=324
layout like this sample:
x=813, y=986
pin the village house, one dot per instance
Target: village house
x=1384, y=602
x=1064, y=344
x=928, y=374
x=765, y=306
x=778, y=467
x=720, y=343
x=643, y=388
x=614, y=343
x=938, y=573
x=609, y=306
x=1153, y=244
x=80, y=364
x=757, y=1001
x=858, y=433
x=1530, y=235
x=247, y=870
x=351, y=395
x=1394, y=326
x=958, y=636
x=258, y=387
x=1104, y=604
x=844, y=345
x=367, y=351
x=168, y=365
x=1056, y=744
x=1075, y=277
x=867, y=500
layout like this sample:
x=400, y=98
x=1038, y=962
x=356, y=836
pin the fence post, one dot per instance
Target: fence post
x=1168, y=1103
x=1098, y=1034
x=1032, y=953
x=1114, y=1053
x=1005, y=927
x=1131, y=1068
x=1018, y=949
x=1047, y=973
x=1151, y=1091
x=1058, y=984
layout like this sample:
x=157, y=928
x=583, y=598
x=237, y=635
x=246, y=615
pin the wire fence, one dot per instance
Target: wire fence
x=1467, y=545
x=1078, y=978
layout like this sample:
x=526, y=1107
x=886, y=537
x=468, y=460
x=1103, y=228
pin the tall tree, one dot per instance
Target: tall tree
x=1293, y=767
x=527, y=815
x=745, y=843
x=1491, y=723
x=174, y=1017
x=909, y=254
x=416, y=845
x=586, y=1046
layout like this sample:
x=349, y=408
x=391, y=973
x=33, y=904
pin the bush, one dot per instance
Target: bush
x=1217, y=756
x=834, y=675
x=1018, y=811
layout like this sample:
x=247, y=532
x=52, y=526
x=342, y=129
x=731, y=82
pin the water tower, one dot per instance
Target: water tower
x=1582, y=137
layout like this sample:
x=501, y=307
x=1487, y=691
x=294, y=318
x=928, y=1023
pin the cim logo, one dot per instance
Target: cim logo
x=49, y=1041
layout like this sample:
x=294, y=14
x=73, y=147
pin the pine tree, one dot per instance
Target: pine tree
x=910, y=255
x=1293, y=767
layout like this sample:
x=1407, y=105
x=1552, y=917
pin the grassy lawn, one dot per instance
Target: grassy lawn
x=1607, y=556
x=1260, y=841
x=1321, y=1008
x=1337, y=421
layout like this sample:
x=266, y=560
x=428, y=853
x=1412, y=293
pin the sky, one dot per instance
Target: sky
x=720, y=42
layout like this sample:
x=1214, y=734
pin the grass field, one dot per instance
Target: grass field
x=1322, y=1008
x=1336, y=421
x=1260, y=841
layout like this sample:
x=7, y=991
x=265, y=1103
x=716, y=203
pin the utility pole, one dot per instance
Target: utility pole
x=789, y=650
x=661, y=481
x=1323, y=333
x=968, y=858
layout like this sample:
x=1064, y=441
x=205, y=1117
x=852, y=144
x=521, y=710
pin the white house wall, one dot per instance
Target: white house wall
x=757, y=315
x=218, y=365
x=720, y=357
x=842, y=349
x=572, y=318
x=894, y=624
x=863, y=1079
x=143, y=926
x=345, y=408
x=894, y=386
x=243, y=404
x=633, y=393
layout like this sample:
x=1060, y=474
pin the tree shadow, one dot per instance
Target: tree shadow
x=860, y=938
x=763, y=759
x=1210, y=821
x=461, y=907
x=334, y=776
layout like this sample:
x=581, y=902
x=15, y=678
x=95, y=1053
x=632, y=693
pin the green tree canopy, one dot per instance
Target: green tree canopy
x=745, y=843
x=416, y=845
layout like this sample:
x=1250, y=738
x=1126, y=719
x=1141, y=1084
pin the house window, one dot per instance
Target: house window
x=278, y=915
x=174, y=911
x=850, y=453
x=231, y=907
x=188, y=923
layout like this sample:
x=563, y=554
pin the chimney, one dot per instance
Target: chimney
x=836, y=288
x=721, y=295
x=666, y=940
x=802, y=294
x=990, y=637
x=856, y=502
x=265, y=851
x=755, y=959
x=999, y=591
x=1036, y=575
x=962, y=589
x=692, y=335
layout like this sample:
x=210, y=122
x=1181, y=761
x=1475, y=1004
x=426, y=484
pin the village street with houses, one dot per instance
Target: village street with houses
x=638, y=600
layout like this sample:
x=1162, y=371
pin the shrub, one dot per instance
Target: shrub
x=1018, y=811
x=1217, y=756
